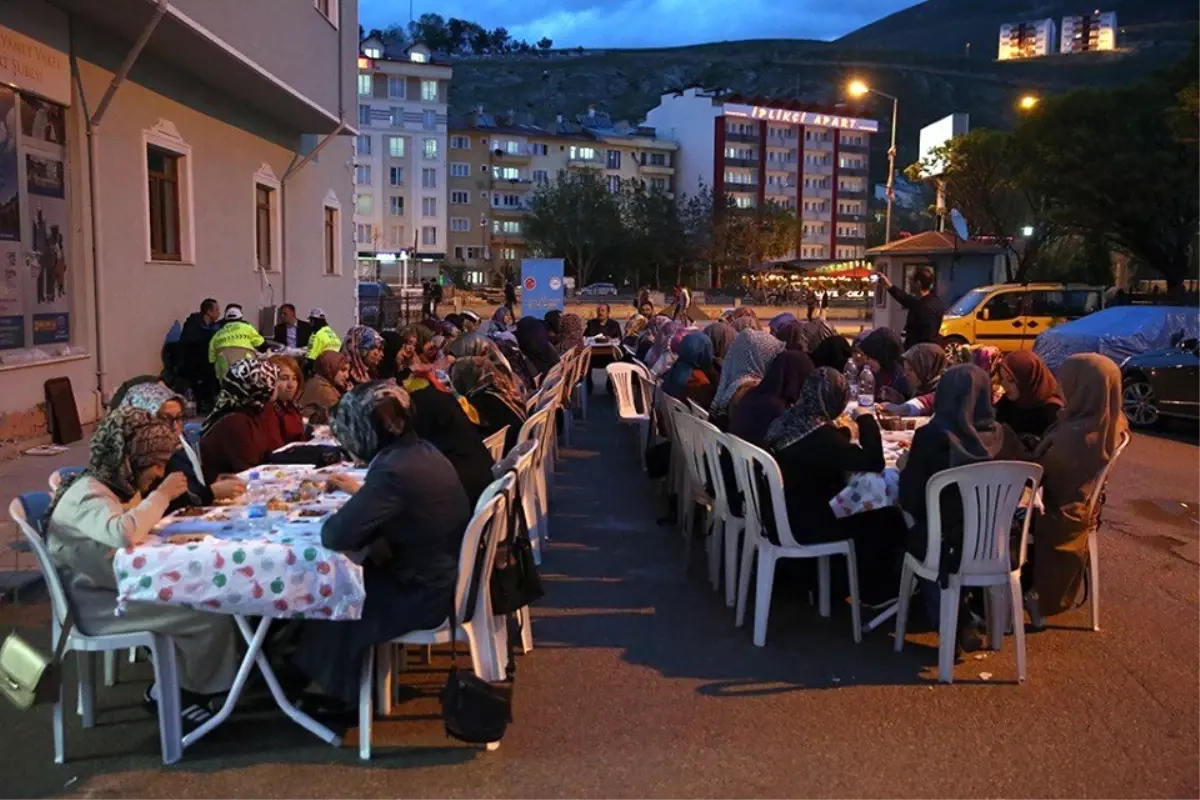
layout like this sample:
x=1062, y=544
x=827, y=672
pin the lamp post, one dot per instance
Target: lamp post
x=858, y=88
x=1028, y=102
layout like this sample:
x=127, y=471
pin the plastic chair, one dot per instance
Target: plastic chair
x=495, y=444
x=756, y=471
x=991, y=494
x=622, y=376
x=162, y=648
x=697, y=411
x=535, y=429
x=1093, y=513
x=727, y=535
x=473, y=623
x=508, y=485
x=61, y=474
x=579, y=382
x=696, y=479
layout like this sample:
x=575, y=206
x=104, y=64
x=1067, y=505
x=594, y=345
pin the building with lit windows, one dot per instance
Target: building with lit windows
x=756, y=150
x=1026, y=39
x=1085, y=33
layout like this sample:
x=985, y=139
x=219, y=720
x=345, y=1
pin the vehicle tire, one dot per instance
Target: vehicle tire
x=951, y=344
x=1139, y=402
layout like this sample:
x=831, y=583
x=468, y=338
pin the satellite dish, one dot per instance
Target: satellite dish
x=959, y=223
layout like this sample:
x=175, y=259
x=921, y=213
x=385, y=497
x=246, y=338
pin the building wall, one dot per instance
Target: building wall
x=687, y=120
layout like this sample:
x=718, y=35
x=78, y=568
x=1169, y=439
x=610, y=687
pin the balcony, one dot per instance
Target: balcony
x=507, y=157
x=815, y=238
x=854, y=237
x=857, y=216
x=858, y=170
x=741, y=162
x=818, y=147
x=510, y=211
x=730, y=136
x=820, y=192
x=578, y=162
x=851, y=194
x=655, y=169
x=853, y=148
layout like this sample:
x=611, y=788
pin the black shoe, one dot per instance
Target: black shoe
x=194, y=711
x=1037, y=622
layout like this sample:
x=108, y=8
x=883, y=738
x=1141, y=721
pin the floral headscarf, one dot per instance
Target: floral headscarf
x=150, y=397
x=635, y=324
x=749, y=356
x=370, y=416
x=572, y=328
x=361, y=340
x=662, y=341
x=779, y=321
x=822, y=399
x=928, y=362
x=248, y=386
x=475, y=375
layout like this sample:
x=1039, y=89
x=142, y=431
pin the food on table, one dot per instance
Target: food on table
x=277, y=504
x=191, y=511
x=313, y=512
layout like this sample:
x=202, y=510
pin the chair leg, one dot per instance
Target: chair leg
x=995, y=610
x=365, y=689
x=855, y=610
x=733, y=531
x=743, y=591
x=948, y=632
x=903, y=601
x=85, y=664
x=762, y=596
x=170, y=719
x=823, y=585
x=383, y=678
x=1093, y=577
x=1018, y=613
x=133, y=654
x=58, y=725
x=110, y=668
x=716, y=532
x=526, y=620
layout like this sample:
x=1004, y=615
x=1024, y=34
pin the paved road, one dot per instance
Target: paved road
x=640, y=686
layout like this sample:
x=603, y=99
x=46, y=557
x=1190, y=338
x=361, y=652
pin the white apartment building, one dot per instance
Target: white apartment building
x=1026, y=39
x=1085, y=33
x=400, y=159
x=754, y=150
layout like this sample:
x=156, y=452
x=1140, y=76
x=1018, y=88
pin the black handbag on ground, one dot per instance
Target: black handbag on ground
x=474, y=710
x=515, y=582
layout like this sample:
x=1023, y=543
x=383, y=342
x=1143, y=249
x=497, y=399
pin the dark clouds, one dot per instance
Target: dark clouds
x=647, y=23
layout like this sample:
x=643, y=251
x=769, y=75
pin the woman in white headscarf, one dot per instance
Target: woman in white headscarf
x=745, y=365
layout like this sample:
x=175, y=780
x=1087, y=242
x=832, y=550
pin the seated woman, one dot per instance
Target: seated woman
x=721, y=334
x=570, y=333
x=440, y=419
x=659, y=358
x=924, y=365
x=833, y=352
x=881, y=350
x=411, y=512
x=331, y=377
x=1074, y=452
x=749, y=357
x=364, y=348
x=435, y=356
x=288, y=387
x=241, y=432
x=493, y=395
x=553, y=320
x=692, y=376
x=1032, y=398
x=501, y=321
x=765, y=403
x=533, y=337
x=110, y=505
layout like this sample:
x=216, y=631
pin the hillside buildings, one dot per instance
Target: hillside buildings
x=1085, y=33
x=1081, y=33
x=221, y=169
x=754, y=150
x=1027, y=39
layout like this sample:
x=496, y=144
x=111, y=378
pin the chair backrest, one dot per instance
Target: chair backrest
x=697, y=411
x=622, y=377
x=761, y=484
x=688, y=444
x=671, y=411
x=472, y=598
x=27, y=511
x=1093, y=508
x=583, y=365
x=534, y=427
x=60, y=474
x=992, y=491
x=502, y=485
x=495, y=444
x=517, y=465
x=715, y=443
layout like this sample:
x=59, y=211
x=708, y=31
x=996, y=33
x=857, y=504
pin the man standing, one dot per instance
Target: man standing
x=925, y=309
x=603, y=324
x=683, y=301
x=811, y=302
x=510, y=297
x=198, y=330
x=435, y=296
x=291, y=331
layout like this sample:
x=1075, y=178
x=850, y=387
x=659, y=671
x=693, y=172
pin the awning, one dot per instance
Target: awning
x=184, y=44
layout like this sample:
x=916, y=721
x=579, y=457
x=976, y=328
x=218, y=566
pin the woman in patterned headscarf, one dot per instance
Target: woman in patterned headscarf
x=749, y=357
x=721, y=334
x=364, y=348
x=492, y=394
x=241, y=432
x=571, y=333
x=410, y=511
x=111, y=505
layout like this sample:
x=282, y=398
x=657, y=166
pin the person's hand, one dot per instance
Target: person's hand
x=884, y=279
x=174, y=485
x=342, y=482
x=228, y=487
x=895, y=409
x=890, y=395
x=864, y=411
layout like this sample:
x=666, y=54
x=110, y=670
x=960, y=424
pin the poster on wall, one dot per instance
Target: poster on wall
x=46, y=252
x=43, y=121
x=12, y=298
x=10, y=185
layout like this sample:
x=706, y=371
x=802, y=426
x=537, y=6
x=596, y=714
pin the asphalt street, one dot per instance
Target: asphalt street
x=641, y=686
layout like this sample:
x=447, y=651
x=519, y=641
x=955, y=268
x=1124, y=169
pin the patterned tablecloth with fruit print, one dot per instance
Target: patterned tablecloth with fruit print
x=229, y=561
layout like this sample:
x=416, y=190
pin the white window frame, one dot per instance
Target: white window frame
x=165, y=136
x=367, y=80
x=335, y=12
x=425, y=148
x=391, y=171
x=403, y=147
x=391, y=205
x=370, y=178
x=425, y=98
x=432, y=229
x=459, y=169
x=460, y=225
x=460, y=142
x=402, y=82
x=425, y=201
x=358, y=212
x=466, y=197
x=331, y=203
x=429, y=173
x=265, y=176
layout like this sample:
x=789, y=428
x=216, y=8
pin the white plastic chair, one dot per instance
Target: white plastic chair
x=56, y=478
x=579, y=382
x=1093, y=513
x=697, y=411
x=162, y=651
x=535, y=429
x=726, y=536
x=508, y=485
x=622, y=377
x=472, y=625
x=991, y=494
x=754, y=466
x=695, y=494
x=495, y=444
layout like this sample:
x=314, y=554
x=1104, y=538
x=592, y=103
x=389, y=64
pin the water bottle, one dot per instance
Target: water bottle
x=851, y=373
x=866, y=388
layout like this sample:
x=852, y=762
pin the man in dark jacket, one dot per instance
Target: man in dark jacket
x=291, y=331
x=198, y=330
x=603, y=323
x=925, y=309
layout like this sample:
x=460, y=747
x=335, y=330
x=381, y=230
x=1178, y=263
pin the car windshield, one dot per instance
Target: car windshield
x=967, y=303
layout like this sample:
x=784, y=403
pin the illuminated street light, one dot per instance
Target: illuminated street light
x=859, y=88
x=1028, y=102
x=1027, y=231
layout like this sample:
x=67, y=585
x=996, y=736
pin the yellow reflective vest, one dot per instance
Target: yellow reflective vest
x=322, y=340
x=234, y=334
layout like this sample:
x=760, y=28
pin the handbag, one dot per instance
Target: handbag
x=474, y=710
x=515, y=582
x=27, y=677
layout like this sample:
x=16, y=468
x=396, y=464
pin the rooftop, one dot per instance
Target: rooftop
x=933, y=242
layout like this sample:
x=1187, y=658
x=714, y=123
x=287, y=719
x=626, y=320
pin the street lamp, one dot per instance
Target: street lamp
x=1028, y=102
x=858, y=88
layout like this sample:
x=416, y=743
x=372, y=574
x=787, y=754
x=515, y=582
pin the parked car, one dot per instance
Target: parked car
x=1010, y=316
x=1119, y=332
x=598, y=290
x=1162, y=383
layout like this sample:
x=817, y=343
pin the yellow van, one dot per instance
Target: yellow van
x=1011, y=315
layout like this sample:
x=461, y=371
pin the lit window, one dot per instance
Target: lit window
x=364, y=205
x=429, y=148
x=396, y=146
x=418, y=58
x=429, y=91
x=428, y=206
x=364, y=84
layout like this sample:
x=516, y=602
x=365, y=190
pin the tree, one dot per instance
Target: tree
x=481, y=40
x=430, y=30
x=656, y=239
x=544, y=44
x=773, y=232
x=720, y=235
x=577, y=218
x=499, y=41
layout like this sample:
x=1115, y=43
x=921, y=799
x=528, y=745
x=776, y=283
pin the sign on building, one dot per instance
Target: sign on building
x=541, y=285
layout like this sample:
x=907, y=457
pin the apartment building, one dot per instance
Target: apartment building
x=1085, y=33
x=498, y=160
x=1026, y=39
x=221, y=169
x=754, y=150
x=400, y=158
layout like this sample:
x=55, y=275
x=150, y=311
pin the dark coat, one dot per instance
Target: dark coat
x=924, y=317
x=303, y=333
x=440, y=420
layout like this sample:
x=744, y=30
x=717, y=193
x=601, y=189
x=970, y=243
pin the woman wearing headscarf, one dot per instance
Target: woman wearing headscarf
x=288, y=387
x=692, y=377
x=533, y=337
x=553, y=319
x=571, y=333
x=111, y=505
x=881, y=350
x=721, y=334
x=779, y=322
x=331, y=377
x=364, y=348
x=1074, y=452
x=663, y=334
x=744, y=322
x=833, y=352
x=493, y=395
x=817, y=331
x=450, y=423
x=793, y=337
x=500, y=321
x=665, y=361
x=749, y=357
x=766, y=402
x=924, y=365
x=241, y=432
x=1032, y=398
x=410, y=512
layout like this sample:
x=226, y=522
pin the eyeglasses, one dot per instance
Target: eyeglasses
x=172, y=419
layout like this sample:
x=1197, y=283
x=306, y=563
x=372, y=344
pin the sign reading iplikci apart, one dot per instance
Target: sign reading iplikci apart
x=34, y=67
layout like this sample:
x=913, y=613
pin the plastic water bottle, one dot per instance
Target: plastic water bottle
x=866, y=388
x=851, y=373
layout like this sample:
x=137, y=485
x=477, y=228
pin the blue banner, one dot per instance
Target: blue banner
x=541, y=286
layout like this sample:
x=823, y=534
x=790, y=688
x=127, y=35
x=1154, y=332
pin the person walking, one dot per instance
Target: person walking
x=811, y=302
